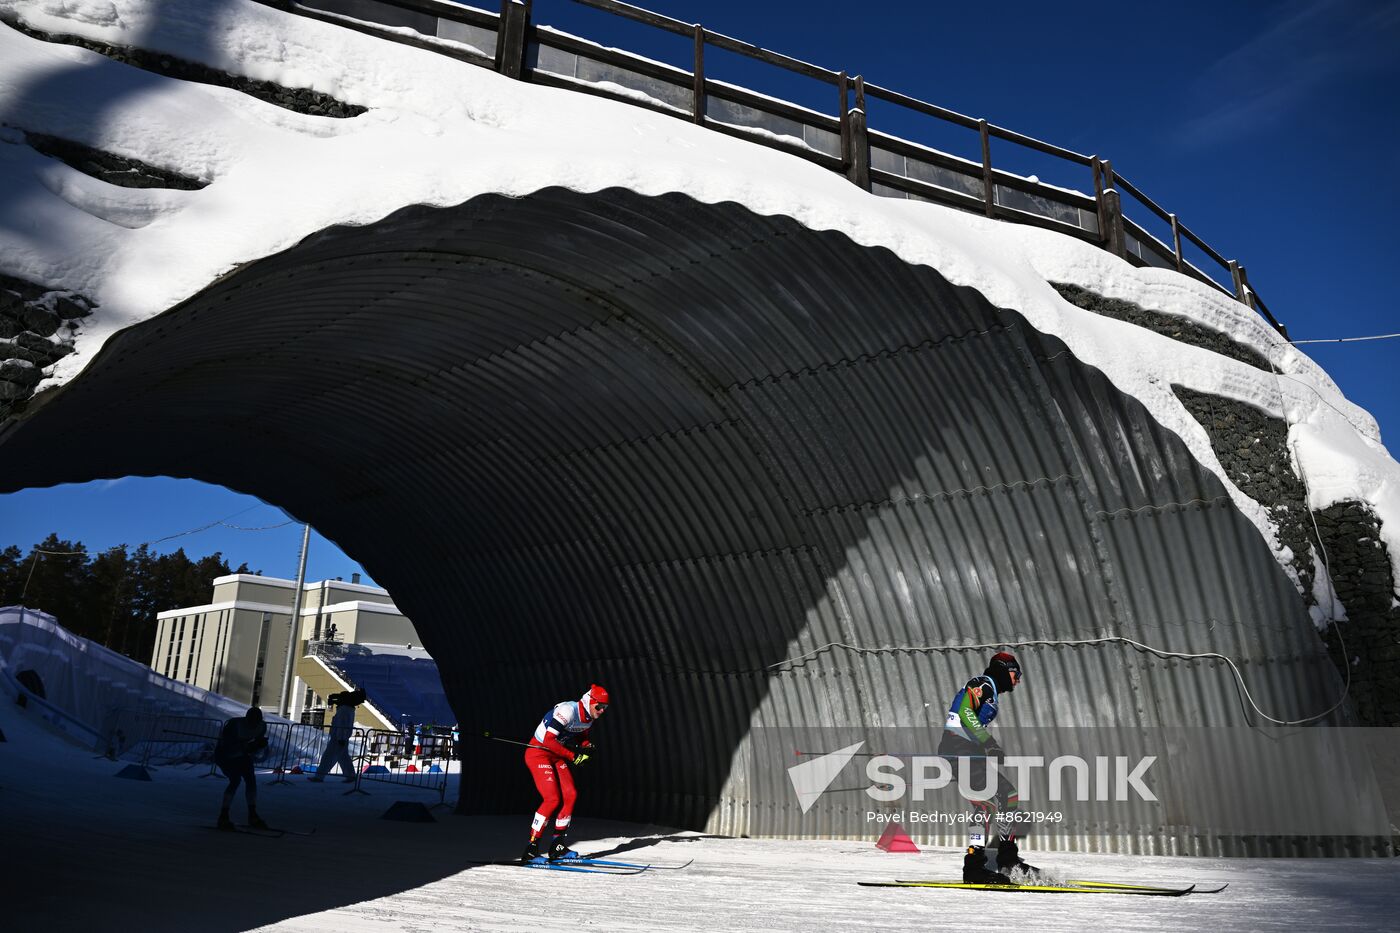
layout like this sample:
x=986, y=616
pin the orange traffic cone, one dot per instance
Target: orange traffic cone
x=895, y=839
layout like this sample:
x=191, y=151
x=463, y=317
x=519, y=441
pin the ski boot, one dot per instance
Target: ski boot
x=255, y=821
x=531, y=855
x=975, y=870
x=225, y=823
x=560, y=851
x=1009, y=859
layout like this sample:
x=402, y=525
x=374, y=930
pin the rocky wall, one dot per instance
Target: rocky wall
x=1365, y=585
x=111, y=168
x=1252, y=447
x=301, y=100
x=37, y=327
x=1169, y=325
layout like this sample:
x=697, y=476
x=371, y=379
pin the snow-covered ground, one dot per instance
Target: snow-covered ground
x=87, y=851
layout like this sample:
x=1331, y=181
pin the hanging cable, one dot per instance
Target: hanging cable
x=1317, y=533
x=1077, y=642
x=222, y=521
x=1246, y=696
x=35, y=560
x=1346, y=339
x=38, y=552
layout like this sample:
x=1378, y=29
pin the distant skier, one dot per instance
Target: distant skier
x=560, y=741
x=240, y=740
x=342, y=727
x=966, y=735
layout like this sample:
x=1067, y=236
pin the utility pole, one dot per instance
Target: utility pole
x=286, y=706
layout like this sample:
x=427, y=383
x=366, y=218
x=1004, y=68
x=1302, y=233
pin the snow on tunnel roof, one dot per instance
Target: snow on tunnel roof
x=441, y=132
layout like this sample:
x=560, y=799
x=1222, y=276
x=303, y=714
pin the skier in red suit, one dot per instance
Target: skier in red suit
x=560, y=743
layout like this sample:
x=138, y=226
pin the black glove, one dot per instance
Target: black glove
x=994, y=751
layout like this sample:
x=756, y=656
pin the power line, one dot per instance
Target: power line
x=221, y=521
x=179, y=534
x=1347, y=339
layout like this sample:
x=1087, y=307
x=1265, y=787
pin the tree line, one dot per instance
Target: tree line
x=111, y=597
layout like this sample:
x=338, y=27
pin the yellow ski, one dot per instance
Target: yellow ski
x=1195, y=889
x=1034, y=888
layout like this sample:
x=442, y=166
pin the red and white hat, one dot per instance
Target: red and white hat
x=596, y=697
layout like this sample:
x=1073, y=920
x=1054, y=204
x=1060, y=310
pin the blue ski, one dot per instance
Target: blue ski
x=583, y=865
x=568, y=865
x=650, y=865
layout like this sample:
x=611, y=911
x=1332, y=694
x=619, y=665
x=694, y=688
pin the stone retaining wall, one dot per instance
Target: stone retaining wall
x=301, y=100
x=109, y=167
x=1252, y=446
x=1169, y=325
x=37, y=327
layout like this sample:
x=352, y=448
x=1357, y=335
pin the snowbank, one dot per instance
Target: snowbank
x=440, y=132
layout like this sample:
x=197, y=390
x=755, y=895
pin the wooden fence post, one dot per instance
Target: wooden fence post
x=989, y=193
x=1114, y=239
x=843, y=113
x=1248, y=292
x=697, y=94
x=1176, y=244
x=1097, y=166
x=858, y=169
x=510, y=39
x=1237, y=278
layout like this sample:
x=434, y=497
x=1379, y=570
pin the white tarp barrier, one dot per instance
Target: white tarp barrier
x=103, y=698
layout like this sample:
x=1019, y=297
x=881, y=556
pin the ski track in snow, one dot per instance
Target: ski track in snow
x=440, y=132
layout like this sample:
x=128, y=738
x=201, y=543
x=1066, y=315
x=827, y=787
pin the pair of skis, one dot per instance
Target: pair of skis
x=1068, y=887
x=593, y=866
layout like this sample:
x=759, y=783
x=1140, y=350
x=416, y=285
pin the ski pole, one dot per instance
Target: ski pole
x=496, y=738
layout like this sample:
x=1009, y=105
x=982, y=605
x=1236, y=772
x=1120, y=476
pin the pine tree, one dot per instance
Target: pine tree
x=11, y=563
x=112, y=598
x=144, y=606
x=54, y=582
x=109, y=592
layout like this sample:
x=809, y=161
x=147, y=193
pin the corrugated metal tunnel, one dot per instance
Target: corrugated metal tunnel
x=667, y=446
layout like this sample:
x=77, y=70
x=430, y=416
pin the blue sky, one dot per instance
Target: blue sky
x=1271, y=128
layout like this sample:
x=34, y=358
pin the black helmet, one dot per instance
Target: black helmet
x=254, y=714
x=1005, y=671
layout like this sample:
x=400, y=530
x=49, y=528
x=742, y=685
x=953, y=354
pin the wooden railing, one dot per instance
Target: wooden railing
x=883, y=163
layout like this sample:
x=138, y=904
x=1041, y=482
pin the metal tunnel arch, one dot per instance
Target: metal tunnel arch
x=667, y=445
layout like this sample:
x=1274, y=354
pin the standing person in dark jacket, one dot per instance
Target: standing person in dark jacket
x=967, y=735
x=342, y=728
x=239, y=742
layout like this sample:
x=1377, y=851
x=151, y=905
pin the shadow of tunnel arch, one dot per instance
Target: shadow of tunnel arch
x=666, y=446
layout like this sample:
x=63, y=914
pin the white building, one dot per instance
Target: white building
x=236, y=645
